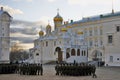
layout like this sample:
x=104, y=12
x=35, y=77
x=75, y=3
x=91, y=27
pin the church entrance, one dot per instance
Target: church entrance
x=97, y=55
x=60, y=55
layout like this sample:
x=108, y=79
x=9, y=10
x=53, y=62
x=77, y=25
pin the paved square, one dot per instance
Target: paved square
x=103, y=73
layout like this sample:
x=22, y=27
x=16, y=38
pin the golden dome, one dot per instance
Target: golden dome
x=58, y=18
x=63, y=29
x=41, y=33
x=79, y=33
x=48, y=27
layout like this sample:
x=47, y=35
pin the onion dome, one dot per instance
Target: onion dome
x=58, y=18
x=63, y=29
x=41, y=33
x=48, y=27
x=79, y=33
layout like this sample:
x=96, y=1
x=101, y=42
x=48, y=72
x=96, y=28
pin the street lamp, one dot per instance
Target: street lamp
x=41, y=52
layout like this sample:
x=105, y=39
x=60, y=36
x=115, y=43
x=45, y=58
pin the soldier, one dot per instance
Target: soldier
x=0, y=68
x=93, y=71
x=38, y=69
x=57, y=69
x=41, y=70
x=60, y=69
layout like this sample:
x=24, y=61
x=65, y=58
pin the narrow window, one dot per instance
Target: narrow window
x=78, y=52
x=84, y=53
x=111, y=58
x=46, y=43
x=54, y=43
x=110, y=39
x=118, y=28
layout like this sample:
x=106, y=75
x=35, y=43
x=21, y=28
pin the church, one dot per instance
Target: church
x=62, y=44
x=5, y=20
x=94, y=38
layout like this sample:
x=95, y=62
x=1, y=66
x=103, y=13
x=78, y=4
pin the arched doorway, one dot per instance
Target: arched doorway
x=60, y=55
x=97, y=55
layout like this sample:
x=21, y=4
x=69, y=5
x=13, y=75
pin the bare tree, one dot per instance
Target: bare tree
x=18, y=53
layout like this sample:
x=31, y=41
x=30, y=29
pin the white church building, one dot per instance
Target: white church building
x=95, y=38
x=62, y=44
x=5, y=20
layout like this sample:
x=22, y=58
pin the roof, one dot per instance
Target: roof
x=2, y=12
x=98, y=17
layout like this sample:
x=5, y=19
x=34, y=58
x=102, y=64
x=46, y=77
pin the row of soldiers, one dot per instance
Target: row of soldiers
x=22, y=69
x=75, y=69
x=8, y=68
x=30, y=69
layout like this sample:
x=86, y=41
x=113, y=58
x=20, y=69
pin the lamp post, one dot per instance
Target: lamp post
x=41, y=53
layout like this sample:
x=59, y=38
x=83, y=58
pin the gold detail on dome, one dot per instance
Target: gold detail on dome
x=41, y=33
x=58, y=19
x=69, y=26
x=79, y=33
x=48, y=26
x=63, y=29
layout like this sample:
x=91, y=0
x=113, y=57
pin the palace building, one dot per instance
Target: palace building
x=95, y=38
x=5, y=20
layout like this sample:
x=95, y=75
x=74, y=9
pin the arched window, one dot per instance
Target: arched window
x=73, y=52
x=78, y=52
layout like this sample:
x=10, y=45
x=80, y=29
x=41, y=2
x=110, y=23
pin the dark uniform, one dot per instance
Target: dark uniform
x=41, y=70
x=93, y=72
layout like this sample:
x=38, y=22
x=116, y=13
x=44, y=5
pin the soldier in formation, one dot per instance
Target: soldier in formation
x=23, y=69
x=93, y=72
x=8, y=68
x=30, y=69
x=75, y=69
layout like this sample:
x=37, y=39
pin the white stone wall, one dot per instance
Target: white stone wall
x=4, y=37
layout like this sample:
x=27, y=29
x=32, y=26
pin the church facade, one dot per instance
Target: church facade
x=62, y=44
x=5, y=20
x=95, y=38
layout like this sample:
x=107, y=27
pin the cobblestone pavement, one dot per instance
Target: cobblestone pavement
x=103, y=73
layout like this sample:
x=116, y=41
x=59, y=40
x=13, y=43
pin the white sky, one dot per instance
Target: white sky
x=34, y=13
x=37, y=10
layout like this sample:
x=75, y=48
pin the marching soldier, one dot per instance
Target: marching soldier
x=93, y=72
x=41, y=70
x=57, y=69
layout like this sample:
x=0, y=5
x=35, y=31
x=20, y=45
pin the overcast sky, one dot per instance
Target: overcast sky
x=28, y=15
